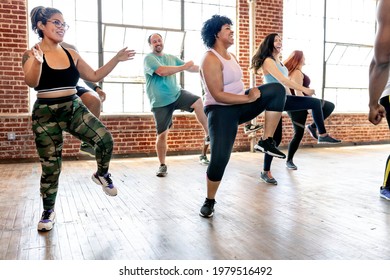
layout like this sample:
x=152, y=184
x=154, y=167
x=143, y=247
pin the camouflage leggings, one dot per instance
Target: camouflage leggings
x=50, y=118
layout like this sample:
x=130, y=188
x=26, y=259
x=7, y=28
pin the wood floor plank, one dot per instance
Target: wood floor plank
x=329, y=209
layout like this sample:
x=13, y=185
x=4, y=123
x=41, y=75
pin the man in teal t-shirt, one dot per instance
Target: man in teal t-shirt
x=166, y=96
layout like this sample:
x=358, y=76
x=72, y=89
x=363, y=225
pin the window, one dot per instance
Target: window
x=338, y=50
x=129, y=23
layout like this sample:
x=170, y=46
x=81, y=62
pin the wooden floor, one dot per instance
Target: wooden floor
x=329, y=209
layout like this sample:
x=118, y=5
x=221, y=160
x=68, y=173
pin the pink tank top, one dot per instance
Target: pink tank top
x=232, y=79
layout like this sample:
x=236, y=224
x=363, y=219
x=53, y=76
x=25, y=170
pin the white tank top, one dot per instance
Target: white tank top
x=386, y=91
x=232, y=79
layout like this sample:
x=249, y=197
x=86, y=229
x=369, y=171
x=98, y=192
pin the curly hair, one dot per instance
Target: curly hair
x=265, y=49
x=41, y=14
x=211, y=27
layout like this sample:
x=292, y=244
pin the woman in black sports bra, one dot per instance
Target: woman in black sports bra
x=54, y=71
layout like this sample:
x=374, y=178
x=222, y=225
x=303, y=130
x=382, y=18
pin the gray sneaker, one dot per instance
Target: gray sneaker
x=291, y=165
x=203, y=160
x=328, y=140
x=266, y=177
x=162, y=171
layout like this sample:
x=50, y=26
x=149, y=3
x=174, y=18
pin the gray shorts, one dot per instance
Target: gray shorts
x=163, y=115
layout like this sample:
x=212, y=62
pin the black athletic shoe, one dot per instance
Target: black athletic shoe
x=312, y=131
x=207, y=209
x=268, y=146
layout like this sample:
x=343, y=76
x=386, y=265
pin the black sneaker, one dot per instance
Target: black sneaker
x=328, y=140
x=268, y=146
x=87, y=149
x=207, y=209
x=249, y=128
x=312, y=131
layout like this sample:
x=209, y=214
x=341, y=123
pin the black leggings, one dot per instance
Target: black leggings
x=223, y=122
x=298, y=119
x=298, y=103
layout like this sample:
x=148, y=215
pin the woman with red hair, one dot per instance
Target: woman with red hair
x=294, y=64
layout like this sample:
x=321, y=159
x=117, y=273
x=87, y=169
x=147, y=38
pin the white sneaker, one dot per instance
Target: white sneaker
x=106, y=183
x=47, y=220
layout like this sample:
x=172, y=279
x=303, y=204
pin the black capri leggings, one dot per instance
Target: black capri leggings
x=298, y=119
x=307, y=101
x=223, y=122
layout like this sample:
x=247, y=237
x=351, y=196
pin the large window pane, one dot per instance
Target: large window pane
x=152, y=13
x=112, y=11
x=135, y=99
x=345, y=53
x=173, y=9
x=192, y=11
x=131, y=12
x=129, y=23
x=86, y=41
x=114, y=98
x=86, y=10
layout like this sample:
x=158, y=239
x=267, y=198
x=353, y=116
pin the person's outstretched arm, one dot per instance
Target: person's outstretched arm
x=379, y=67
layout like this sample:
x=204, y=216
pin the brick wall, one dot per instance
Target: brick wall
x=13, y=24
x=135, y=135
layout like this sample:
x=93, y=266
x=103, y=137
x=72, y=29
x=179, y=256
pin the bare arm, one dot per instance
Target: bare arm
x=171, y=70
x=32, y=65
x=379, y=67
x=297, y=77
x=87, y=73
x=270, y=67
x=211, y=70
x=194, y=69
